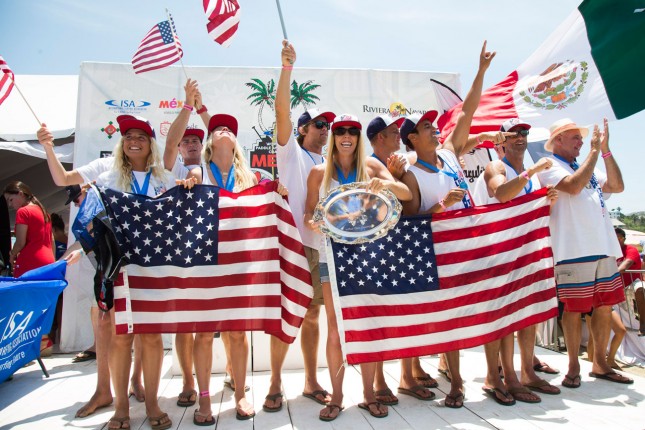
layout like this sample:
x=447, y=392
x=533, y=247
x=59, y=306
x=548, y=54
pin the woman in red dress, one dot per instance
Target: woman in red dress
x=33, y=229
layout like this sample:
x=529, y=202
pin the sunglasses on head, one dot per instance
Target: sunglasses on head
x=353, y=131
x=320, y=124
x=522, y=132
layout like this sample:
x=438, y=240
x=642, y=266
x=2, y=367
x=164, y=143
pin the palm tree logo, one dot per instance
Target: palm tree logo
x=263, y=95
x=303, y=94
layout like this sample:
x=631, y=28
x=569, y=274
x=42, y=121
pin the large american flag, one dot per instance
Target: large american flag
x=6, y=80
x=451, y=281
x=158, y=49
x=209, y=260
x=223, y=20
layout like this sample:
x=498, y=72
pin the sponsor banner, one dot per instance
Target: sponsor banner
x=26, y=314
x=108, y=90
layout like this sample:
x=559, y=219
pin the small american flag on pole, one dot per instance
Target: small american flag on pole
x=207, y=259
x=223, y=20
x=158, y=49
x=457, y=280
x=6, y=80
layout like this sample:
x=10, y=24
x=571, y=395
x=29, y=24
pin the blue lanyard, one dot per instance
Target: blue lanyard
x=230, y=181
x=593, y=182
x=460, y=182
x=382, y=162
x=345, y=180
x=311, y=156
x=529, y=185
x=135, y=185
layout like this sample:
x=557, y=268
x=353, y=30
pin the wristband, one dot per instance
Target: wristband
x=607, y=154
x=82, y=252
x=479, y=142
x=188, y=107
x=442, y=204
x=525, y=175
x=287, y=67
x=202, y=109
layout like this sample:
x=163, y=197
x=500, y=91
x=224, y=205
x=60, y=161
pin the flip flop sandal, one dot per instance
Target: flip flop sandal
x=386, y=393
x=608, y=377
x=455, y=399
x=84, y=356
x=427, y=381
x=206, y=422
x=545, y=368
x=518, y=391
x=159, y=424
x=366, y=406
x=445, y=373
x=539, y=387
x=415, y=392
x=493, y=391
x=273, y=398
x=331, y=406
x=573, y=383
x=121, y=421
x=314, y=396
x=188, y=395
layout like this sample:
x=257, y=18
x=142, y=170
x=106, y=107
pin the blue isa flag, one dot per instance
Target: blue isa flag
x=26, y=314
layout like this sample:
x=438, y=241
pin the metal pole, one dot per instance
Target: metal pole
x=284, y=30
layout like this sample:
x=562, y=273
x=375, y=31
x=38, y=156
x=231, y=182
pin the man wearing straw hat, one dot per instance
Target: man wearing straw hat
x=584, y=245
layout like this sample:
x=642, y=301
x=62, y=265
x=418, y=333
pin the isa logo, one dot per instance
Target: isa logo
x=127, y=106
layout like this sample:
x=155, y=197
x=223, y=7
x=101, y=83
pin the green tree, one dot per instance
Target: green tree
x=263, y=95
x=303, y=94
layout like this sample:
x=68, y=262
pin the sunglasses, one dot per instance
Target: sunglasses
x=321, y=124
x=353, y=131
x=522, y=133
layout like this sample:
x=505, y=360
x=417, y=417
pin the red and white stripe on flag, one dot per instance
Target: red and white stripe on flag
x=260, y=282
x=223, y=20
x=158, y=49
x=6, y=80
x=495, y=270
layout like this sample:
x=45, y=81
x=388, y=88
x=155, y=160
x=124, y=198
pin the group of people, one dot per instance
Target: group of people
x=427, y=179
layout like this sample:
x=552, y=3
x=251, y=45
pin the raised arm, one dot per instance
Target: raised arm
x=283, y=94
x=200, y=107
x=576, y=182
x=457, y=142
x=61, y=177
x=178, y=126
x=614, y=182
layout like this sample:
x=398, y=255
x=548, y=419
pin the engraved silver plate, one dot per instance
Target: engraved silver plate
x=351, y=214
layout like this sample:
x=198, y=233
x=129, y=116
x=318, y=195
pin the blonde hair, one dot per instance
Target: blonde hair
x=359, y=161
x=123, y=166
x=244, y=177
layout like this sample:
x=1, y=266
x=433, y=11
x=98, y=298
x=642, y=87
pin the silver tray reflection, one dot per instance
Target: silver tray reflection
x=351, y=214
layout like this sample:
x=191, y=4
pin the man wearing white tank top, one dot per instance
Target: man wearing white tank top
x=501, y=181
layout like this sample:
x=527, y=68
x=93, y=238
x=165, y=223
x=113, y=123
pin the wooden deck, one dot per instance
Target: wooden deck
x=30, y=401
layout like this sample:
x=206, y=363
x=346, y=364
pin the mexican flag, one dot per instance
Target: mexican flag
x=591, y=67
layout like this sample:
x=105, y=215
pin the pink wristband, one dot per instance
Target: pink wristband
x=442, y=204
x=188, y=107
x=204, y=394
x=287, y=67
x=525, y=175
x=479, y=142
x=606, y=155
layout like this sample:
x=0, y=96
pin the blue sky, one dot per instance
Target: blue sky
x=55, y=36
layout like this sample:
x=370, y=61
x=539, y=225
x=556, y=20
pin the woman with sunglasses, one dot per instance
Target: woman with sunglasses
x=346, y=163
x=137, y=169
x=223, y=165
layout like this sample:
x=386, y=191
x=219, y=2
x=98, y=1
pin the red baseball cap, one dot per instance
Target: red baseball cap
x=222, y=119
x=128, y=122
x=195, y=132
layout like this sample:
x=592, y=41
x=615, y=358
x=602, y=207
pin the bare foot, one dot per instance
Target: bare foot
x=136, y=390
x=97, y=401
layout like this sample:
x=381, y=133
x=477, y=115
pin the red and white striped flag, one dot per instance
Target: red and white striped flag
x=6, y=80
x=158, y=49
x=451, y=281
x=223, y=19
x=209, y=260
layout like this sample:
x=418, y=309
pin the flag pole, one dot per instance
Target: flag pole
x=284, y=30
x=23, y=97
x=174, y=36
